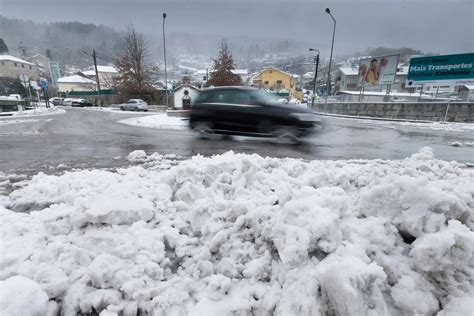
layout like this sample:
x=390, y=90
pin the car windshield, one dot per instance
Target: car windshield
x=237, y=157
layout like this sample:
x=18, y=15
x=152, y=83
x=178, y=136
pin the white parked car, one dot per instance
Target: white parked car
x=68, y=101
x=134, y=105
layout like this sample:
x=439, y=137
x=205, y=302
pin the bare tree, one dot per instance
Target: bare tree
x=135, y=72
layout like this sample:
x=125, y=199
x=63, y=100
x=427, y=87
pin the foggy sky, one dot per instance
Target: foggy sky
x=438, y=26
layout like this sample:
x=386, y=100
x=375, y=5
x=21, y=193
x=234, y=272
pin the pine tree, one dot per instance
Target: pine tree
x=222, y=74
x=3, y=47
x=48, y=54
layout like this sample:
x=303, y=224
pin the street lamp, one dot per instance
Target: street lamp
x=328, y=86
x=164, y=54
x=315, y=74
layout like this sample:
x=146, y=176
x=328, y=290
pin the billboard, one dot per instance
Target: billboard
x=441, y=70
x=376, y=71
x=55, y=72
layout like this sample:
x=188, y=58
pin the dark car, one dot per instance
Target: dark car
x=250, y=112
x=80, y=103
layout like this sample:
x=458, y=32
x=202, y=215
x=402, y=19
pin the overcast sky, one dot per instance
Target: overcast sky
x=442, y=26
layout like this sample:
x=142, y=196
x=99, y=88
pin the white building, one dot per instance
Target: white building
x=184, y=96
x=106, y=75
x=75, y=83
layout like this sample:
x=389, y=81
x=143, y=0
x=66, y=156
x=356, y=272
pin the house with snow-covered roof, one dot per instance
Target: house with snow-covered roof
x=184, y=95
x=106, y=74
x=275, y=80
x=75, y=83
x=12, y=67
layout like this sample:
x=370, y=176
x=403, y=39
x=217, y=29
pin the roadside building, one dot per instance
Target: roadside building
x=12, y=67
x=75, y=83
x=106, y=75
x=42, y=64
x=466, y=93
x=277, y=81
x=184, y=95
x=348, y=78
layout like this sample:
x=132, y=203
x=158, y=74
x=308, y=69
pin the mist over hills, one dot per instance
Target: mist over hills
x=68, y=40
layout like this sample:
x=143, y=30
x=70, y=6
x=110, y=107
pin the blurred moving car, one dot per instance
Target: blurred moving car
x=134, y=105
x=56, y=101
x=80, y=103
x=250, y=112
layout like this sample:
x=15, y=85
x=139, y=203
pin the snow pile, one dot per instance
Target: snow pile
x=22, y=296
x=246, y=235
x=40, y=111
x=4, y=122
x=159, y=121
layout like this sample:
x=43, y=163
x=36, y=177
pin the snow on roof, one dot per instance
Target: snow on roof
x=186, y=86
x=469, y=87
x=273, y=68
x=14, y=59
x=240, y=72
x=101, y=69
x=75, y=79
x=349, y=71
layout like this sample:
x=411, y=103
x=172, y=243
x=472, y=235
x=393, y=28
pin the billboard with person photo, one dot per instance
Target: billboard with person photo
x=376, y=71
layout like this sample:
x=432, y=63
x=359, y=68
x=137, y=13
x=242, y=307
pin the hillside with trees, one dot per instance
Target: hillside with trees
x=63, y=41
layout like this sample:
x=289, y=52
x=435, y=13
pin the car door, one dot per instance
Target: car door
x=237, y=112
x=130, y=105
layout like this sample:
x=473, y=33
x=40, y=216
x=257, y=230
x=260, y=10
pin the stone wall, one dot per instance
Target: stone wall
x=428, y=111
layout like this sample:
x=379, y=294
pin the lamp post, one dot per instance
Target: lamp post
x=164, y=54
x=315, y=74
x=328, y=86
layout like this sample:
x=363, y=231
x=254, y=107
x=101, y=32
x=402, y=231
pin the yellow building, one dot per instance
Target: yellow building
x=275, y=80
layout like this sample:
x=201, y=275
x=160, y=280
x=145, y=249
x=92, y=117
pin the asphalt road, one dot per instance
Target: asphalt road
x=88, y=138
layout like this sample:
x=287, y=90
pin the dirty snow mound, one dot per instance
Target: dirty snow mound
x=242, y=234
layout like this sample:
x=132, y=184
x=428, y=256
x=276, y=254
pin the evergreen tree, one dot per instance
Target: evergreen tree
x=3, y=47
x=48, y=54
x=222, y=74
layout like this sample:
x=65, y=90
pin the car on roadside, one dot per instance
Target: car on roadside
x=134, y=105
x=56, y=101
x=250, y=112
x=67, y=101
x=80, y=103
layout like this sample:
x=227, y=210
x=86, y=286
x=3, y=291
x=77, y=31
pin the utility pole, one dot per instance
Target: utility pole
x=164, y=55
x=96, y=74
x=316, y=60
x=328, y=86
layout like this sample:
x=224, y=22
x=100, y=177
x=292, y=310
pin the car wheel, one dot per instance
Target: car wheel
x=122, y=109
x=286, y=135
x=136, y=109
x=204, y=129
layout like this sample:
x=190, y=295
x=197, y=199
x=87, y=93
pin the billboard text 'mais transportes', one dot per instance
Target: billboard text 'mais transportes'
x=441, y=70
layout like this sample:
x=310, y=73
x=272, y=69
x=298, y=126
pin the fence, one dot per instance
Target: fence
x=425, y=111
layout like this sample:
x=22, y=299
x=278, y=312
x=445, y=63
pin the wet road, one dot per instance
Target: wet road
x=87, y=138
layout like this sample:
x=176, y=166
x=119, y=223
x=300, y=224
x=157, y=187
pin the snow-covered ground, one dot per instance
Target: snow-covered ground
x=159, y=121
x=40, y=111
x=242, y=235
